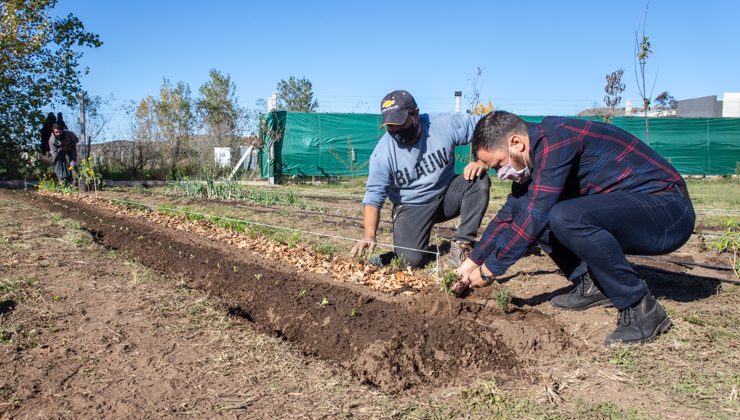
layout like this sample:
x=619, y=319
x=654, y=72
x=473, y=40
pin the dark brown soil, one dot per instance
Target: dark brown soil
x=396, y=344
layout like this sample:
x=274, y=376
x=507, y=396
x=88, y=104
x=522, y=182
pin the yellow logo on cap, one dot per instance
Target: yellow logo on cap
x=388, y=103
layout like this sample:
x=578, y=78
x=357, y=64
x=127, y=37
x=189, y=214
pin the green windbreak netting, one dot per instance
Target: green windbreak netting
x=320, y=144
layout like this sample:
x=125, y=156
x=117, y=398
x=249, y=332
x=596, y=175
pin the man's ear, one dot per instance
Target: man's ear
x=517, y=143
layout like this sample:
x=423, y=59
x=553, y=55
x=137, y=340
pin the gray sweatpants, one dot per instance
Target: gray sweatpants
x=412, y=224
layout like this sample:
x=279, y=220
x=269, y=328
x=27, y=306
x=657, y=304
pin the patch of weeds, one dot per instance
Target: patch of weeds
x=130, y=205
x=191, y=215
x=502, y=297
x=489, y=400
x=695, y=319
x=293, y=239
x=685, y=386
x=729, y=242
x=397, y=263
x=19, y=289
x=609, y=410
x=5, y=335
x=139, y=273
x=76, y=234
x=622, y=356
x=272, y=198
x=168, y=209
x=7, y=393
x=326, y=248
x=57, y=217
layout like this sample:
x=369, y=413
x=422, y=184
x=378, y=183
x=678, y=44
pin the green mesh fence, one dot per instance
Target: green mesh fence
x=330, y=145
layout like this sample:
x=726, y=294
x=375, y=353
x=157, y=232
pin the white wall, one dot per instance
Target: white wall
x=731, y=105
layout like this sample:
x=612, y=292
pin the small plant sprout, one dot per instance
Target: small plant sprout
x=324, y=302
x=258, y=276
x=397, y=263
x=301, y=292
x=235, y=269
x=448, y=281
x=353, y=312
x=502, y=297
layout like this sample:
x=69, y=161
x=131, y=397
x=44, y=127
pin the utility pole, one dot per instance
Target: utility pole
x=83, y=137
x=271, y=106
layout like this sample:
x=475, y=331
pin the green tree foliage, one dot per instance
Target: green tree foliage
x=296, y=95
x=175, y=119
x=666, y=101
x=39, y=66
x=219, y=110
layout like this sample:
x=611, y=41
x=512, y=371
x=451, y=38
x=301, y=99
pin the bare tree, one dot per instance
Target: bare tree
x=476, y=84
x=642, y=54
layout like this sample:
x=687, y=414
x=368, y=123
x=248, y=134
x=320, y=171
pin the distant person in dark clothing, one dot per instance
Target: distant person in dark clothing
x=63, y=145
x=46, y=132
x=60, y=121
x=587, y=193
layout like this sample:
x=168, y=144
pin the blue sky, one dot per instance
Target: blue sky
x=538, y=57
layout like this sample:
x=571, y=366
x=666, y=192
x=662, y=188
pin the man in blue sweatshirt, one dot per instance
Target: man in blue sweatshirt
x=413, y=165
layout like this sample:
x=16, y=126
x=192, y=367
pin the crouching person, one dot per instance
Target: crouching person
x=587, y=193
x=63, y=146
x=413, y=165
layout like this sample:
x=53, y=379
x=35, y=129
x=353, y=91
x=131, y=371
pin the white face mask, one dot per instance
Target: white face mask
x=508, y=172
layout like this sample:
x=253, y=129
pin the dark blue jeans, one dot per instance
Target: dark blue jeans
x=595, y=232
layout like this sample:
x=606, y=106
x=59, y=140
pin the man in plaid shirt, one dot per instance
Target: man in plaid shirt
x=587, y=193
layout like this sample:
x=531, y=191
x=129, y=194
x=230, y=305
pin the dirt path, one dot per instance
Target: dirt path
x=88, y=334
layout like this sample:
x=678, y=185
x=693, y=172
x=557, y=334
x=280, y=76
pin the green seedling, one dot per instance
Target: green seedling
x=235, y=269
x=324, y=302
x=397, y=263
x=301, y=292
x=448, y=281
x=258, y=276
x=353, y=312
x=502, y=297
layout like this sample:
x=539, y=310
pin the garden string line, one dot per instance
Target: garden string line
x=205, y=216
x=390, y=246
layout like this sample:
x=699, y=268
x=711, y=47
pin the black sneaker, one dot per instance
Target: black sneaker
x=640, y=323
x=585, y=295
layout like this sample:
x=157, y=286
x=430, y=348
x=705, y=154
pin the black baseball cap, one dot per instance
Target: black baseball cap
x=395, y=107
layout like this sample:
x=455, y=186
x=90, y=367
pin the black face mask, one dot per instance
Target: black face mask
x=406, y=137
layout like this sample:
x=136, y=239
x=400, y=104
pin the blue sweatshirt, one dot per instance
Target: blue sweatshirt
x=418, y=174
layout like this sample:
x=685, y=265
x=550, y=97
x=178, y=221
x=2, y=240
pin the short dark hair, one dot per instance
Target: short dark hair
x=57, y=126
x=493, y=130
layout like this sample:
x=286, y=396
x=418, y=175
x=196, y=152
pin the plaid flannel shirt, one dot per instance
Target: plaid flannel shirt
x=570, y=158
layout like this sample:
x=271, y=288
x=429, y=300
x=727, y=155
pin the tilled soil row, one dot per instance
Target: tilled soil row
x=382, y=343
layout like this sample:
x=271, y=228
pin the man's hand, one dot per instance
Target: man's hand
x=368, y=243
x=473, y=170
x=469, y=271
